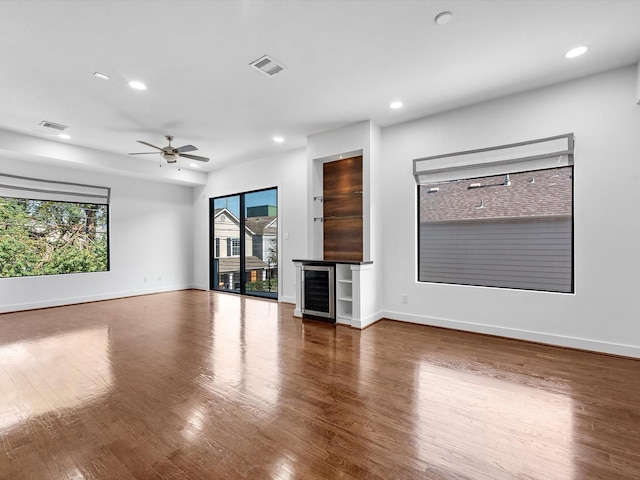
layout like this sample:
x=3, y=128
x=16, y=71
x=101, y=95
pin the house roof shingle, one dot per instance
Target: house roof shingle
x=542, y=193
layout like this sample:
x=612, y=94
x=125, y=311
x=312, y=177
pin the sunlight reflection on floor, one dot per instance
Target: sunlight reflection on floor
x=494, y=421
x=50, y=373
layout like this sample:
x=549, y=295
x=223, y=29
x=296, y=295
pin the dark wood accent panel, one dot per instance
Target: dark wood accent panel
x=344, y=205
x=342, y=176
x=343, y=239
x=342, y=209
x=199, y=385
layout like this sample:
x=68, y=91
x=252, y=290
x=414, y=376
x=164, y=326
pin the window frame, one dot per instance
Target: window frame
x=107, y=234
x=449, y=167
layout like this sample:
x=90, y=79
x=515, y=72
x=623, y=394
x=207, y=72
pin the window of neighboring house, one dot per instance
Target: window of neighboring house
x=512, y=228
x=40, y=234
x=235, y=247
x=217, y=252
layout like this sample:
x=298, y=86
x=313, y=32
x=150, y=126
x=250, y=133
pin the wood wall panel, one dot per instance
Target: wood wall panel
x=343, y=239
x=342, y=209
x=342, y=176
x=343, y=206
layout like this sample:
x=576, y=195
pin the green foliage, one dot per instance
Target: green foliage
x=263, y=285
x=44, y=238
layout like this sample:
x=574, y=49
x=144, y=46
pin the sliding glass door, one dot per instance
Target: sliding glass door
x=244, y=243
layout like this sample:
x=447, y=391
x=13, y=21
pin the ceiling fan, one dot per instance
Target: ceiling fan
x=172, y=154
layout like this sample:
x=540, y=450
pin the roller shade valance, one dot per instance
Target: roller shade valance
x=15, y=186
x=516, y=157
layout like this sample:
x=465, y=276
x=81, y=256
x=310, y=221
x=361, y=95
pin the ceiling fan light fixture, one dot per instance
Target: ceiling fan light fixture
x=170, y=153
x=170, y=157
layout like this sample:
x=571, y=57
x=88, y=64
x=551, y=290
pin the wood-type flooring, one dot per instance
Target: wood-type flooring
x=202, y=385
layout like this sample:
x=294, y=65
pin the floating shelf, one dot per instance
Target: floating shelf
x=338, y=195
x=322, y=219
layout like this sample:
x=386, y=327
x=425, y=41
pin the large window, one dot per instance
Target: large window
x=512, y=229
x=42, y=235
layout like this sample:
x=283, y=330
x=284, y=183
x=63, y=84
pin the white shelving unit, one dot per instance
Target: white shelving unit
x=344, y=294
x=355, y=293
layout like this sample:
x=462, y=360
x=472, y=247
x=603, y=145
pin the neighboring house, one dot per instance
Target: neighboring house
x=265, y=235
x=260, y=236
x=540, y=194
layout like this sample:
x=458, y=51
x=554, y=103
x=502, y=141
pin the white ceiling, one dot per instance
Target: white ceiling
x=345, y=62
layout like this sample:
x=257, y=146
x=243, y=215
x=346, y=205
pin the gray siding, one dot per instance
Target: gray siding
x=534, y=254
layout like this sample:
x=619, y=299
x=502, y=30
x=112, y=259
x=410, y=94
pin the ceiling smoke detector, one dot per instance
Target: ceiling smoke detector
x=267, y=65
x=53, y=125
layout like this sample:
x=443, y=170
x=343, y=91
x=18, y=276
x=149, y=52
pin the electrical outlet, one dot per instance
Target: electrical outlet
x=146, y=279
x=159, y=278
x=405, y=298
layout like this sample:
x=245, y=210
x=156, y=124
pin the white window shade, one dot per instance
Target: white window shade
x=14, y=186
x=516, y=157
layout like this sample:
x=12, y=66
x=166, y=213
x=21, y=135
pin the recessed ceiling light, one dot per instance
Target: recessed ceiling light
x=443, y=18
x=64, y=135
x=278, y=139
x=101, y=75
x=137, y=85
x=395, y=105
x=576, y=52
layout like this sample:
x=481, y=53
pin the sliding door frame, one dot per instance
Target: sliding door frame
x=243, y=252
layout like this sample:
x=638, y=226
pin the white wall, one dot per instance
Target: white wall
x=287, y=172
x=151, y=227
x=602, y=315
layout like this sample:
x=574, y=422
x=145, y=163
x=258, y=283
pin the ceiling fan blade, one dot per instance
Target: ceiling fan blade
x=144, y=153
x=148, y=144
x=186, y=148
x=194, y=157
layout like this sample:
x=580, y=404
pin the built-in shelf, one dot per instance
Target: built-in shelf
x=337, y=195
x=322, y=219
x=344, y=293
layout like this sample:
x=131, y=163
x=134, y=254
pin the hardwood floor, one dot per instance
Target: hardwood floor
x=199, y=385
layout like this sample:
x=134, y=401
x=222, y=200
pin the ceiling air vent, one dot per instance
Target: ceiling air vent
x=267, y=65
x=55, y=126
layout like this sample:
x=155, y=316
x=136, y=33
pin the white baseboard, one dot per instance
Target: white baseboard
x=539, y=337
x=369, y=320
x=59, y=302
